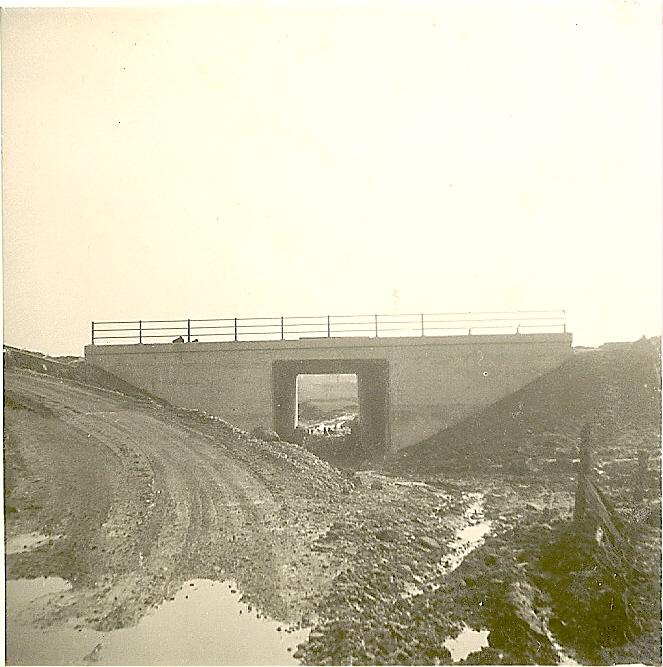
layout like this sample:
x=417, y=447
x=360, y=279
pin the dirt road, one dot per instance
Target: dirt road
x=142, y=503
x=139, y=497
x=146, y=497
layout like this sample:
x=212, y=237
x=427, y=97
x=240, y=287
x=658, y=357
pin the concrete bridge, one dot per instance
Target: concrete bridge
x=409, y=387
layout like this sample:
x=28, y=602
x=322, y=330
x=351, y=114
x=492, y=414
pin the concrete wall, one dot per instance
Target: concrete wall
x=432, y=381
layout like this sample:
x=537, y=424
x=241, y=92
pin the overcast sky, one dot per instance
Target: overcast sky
x=282, y=159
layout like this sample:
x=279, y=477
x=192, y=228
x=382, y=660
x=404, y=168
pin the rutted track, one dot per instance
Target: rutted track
x=143, y=496
x=146, y=497
x=143, y=503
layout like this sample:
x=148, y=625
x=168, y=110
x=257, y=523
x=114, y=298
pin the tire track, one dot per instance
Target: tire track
x=180, y=508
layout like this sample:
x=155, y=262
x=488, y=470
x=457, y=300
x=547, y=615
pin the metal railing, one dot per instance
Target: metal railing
x=327, y=326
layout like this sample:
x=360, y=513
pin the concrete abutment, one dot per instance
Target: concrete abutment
x=409, y=388
x=373, y=393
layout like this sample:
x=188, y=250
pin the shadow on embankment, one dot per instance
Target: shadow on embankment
x=616, y=388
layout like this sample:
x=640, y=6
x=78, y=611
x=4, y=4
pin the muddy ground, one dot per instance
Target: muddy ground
x=382, y=568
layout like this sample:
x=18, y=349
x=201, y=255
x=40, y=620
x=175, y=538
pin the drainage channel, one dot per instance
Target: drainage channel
x=204, y=624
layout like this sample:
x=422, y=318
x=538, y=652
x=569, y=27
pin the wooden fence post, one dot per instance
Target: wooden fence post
x=584, y=473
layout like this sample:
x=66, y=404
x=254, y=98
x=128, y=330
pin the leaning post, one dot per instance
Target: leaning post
x=584, y=474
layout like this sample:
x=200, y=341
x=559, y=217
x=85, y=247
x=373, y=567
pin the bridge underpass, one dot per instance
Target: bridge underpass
x=410, y=387
x=372, y=389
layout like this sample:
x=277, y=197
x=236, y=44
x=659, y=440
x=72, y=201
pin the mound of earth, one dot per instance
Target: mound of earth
x=74, y=369
x=616, y=389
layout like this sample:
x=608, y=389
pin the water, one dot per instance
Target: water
x=473, y=535
x=466, y=539
x=204, y=624
x=469, y=537
x=334, y=424
x=27, y=542
x=28, y=644
x=468, y=641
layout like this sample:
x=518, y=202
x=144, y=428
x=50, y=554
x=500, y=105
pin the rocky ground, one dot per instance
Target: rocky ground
x=603, y=603
x=383, y=567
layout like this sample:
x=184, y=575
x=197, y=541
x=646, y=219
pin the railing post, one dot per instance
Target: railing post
x=282, y=330
x=422, y=324
x=235, y=329
x=376, y=326
x=188, y=331
x=92, y=333
x=584, y=474
x=140, y=331
x=328, y=326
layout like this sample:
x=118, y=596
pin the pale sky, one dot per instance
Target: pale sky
x=268, y=159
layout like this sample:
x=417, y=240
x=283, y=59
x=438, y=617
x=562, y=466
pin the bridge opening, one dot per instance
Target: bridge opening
x=351, y=408
x=327, y=404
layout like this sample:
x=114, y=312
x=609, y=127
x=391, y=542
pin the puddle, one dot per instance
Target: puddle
x=27, y=644
x=468, y=641
x=21, y=592
x=473, y=534
x=27, y=542
x=468, y=538
x=205, y=624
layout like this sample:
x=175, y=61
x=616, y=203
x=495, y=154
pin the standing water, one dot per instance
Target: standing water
x=468, y=641
x=28, y=644
x=27, y=542
x=204, y=624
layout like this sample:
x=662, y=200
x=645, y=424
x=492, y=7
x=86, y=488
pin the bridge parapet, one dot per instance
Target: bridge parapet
x=328, y=326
